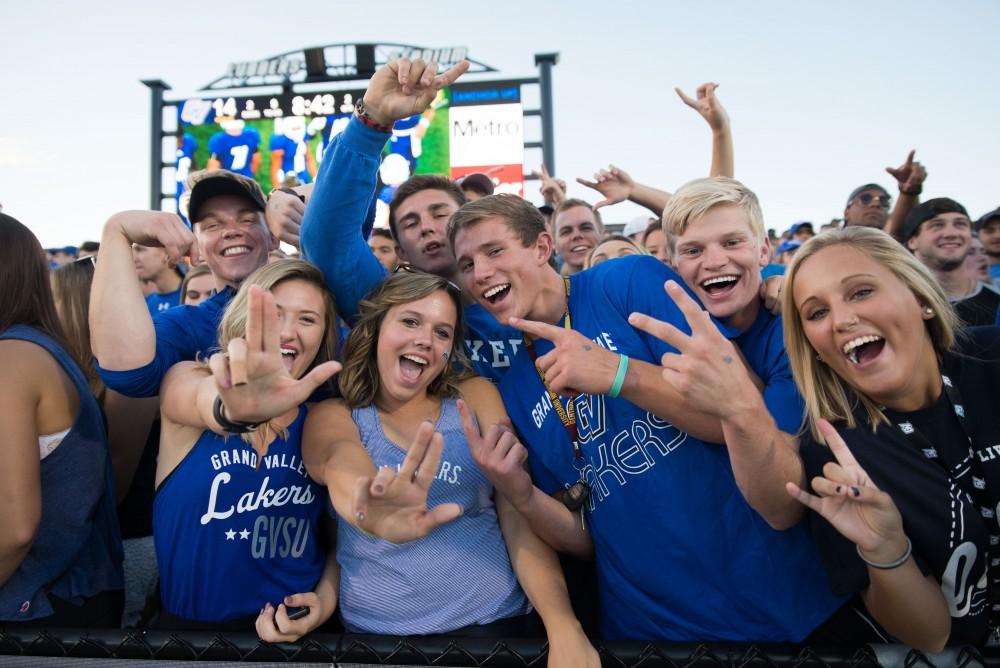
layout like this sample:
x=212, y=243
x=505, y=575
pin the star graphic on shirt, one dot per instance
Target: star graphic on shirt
x=230, y=535
x=244, y=534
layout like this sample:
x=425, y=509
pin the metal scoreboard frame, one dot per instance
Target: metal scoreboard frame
x=294, y=75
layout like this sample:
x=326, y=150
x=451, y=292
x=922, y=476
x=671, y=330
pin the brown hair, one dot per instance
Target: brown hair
x=521, y=216
x=359, y=380
x=572, y=203
x=194, y=272
x=417, y=183
x=71, y=289
x=26, y=297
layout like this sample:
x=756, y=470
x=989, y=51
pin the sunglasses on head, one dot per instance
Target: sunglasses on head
x=866, y=199
x=410, y=269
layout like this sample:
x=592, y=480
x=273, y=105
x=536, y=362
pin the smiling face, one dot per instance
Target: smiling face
x=942, y=242
x=415, y=341
x=421, y=221
x=498, y=270
x=301, y=322
x=233, y=238
x=719, y=257
x=867, y=326
x=577, y=232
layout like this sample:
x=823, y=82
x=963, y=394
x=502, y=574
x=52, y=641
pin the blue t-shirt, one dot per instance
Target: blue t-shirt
x=233, y=533
x=680, y=554
x=182, y=334
x=158, y=302
x=763, y=346
x=293, y=158
x=995, y=274
x=235, y=152
x=772, y=270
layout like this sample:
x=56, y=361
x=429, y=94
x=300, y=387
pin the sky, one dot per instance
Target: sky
x=822, y=96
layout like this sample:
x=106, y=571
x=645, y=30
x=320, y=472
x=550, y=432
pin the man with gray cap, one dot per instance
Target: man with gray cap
x=988, y=230
x=134, y=351
x=868, y=205
x=939, y=233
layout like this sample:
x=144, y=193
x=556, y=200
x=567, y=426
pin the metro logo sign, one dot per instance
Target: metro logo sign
x=488, y=138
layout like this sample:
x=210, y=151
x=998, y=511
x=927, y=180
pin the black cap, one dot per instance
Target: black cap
x=478, y=182
x=987, y=217
x=860, y=189
x=212, y=183
x=926, y=211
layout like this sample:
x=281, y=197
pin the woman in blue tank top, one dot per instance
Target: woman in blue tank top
x=60, y=550
x=397, y=444
x=236, y=517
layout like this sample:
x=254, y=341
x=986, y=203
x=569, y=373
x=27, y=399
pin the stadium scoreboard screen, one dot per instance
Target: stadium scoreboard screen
x=279, y=140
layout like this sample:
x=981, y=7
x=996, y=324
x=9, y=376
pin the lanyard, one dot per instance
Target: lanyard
x=976, y=491
x=566, y=415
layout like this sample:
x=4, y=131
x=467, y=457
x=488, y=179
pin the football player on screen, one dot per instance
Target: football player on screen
x=235, y=148
x=289, y=151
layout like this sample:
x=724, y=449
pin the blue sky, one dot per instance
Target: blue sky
x=823, y=96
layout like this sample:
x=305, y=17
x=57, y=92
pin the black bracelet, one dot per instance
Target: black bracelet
x=912, y=193
x=287, y=191
x=229, y=426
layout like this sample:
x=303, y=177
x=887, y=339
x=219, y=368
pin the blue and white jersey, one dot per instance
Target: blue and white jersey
x=185, y=156
x=489, y=345
x=234, y=531
x=680, y=554
x=293, y=158
x=158, y=302
x=235, y=152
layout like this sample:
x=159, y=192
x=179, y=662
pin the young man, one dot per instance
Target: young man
x=988, y=229
x=383, y=247
x=339, y=215
x=868, y=205
x=133, y=350
x=680, y=554
x=577, y=229
x=938, y=232
x=153, y=265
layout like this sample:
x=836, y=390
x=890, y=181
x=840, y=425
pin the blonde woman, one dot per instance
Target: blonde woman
x=236, y=518
x=907, y=482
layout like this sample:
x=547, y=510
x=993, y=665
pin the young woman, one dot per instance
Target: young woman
x=198, y=285
x=612, y=246
x=236, y=518
x=401, y=439
x=909, y=480
x=60, y=551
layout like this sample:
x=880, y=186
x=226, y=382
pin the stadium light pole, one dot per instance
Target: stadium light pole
x=544, y=62
x=156, y=88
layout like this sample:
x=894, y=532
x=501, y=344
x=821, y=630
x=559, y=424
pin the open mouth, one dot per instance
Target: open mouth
x=288, y=357
x=235, y=250
x=496, y=293
x=718, y=285
x=864, y=349
x=433, y=247
x=411, y=366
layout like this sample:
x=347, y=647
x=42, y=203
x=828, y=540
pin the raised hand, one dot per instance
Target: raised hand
x=500, y=455
x=709, y=370
x=770, y=293
x=158, y=229
x=402, y=88
x=852, y=504
x=252, y=378
x=613, y=183
x=392, y=505
x=706, y=104
x=910, y=175
x=576, y=365
x=553, y=190
x=284, y=216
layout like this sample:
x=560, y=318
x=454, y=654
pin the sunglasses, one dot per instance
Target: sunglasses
x=92, y=259
x=410, y=269
x=866, y=199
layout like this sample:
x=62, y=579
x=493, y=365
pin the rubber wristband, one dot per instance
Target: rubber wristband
x=616, y=386
x=892, y=564
x=230, y=426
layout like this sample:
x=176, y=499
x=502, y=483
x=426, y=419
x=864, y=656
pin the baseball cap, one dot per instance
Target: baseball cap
x=987, y=217
x=926, y=211
x=786, y=246
x=212, y=183
x=637, y=225
x=801, y=224
x=477, y=181
x=868, y=186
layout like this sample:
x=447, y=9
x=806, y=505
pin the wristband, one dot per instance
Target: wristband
x=230, y=426
x=912, y=193
x=616, y=386
x=362, y=114
x=892, y=564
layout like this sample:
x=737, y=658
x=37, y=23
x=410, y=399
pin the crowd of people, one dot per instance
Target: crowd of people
x=495, y=419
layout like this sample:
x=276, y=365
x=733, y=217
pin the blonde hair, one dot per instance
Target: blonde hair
x=827, y=396
x=71, y=289
x=639, y=250
x=695, y=198
x=359, y=380
x=234, y=319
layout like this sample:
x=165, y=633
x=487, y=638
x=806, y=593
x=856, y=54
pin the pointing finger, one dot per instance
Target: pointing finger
x=451, y=75
x=537, y=329
x=684, y=98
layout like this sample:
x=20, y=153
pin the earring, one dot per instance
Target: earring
x=928, y=311
x=818, y=357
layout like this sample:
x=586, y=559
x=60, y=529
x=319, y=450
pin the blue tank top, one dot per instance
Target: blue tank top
x=230, y=535
x=77, y=551
x=456, y=576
